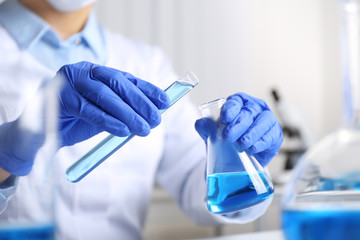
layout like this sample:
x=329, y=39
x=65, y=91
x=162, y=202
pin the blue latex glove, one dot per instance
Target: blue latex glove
x=97, y=98
x=92, y=99
x=249, y=122
x=18, y=147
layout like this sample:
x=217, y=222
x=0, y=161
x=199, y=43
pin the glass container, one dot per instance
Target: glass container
x=235, y=180
x=322, y=201
x=29, y=211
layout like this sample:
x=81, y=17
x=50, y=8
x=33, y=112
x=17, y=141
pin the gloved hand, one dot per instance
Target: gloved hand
x=251, y=124
x=97, y=98
x=18, y=147
x=92, y=99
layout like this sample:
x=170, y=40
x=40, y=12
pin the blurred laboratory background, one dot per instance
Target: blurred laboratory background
x=287, y=49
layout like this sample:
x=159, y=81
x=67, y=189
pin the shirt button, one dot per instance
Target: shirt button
x=77, y=41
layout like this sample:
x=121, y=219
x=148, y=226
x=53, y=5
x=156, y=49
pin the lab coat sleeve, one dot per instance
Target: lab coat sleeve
x=7, y=190
x=183, y=166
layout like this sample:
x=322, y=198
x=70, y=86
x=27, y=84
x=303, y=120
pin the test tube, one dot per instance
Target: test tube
x=111, y=143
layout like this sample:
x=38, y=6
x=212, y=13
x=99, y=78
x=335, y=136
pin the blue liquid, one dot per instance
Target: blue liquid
x=321, y=224
x=232, y=192
x=41, y=232
x=349, y=181
x=112, y=143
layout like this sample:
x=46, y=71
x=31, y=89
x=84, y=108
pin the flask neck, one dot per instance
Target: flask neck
x=212, y=109
x=350, y=48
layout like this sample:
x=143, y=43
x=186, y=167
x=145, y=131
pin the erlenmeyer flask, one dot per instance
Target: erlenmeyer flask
x=323, y=199
x=235, y=180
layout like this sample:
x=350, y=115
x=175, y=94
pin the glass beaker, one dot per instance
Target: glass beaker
x=29, y=211
x=235, y=180
x=322, y=201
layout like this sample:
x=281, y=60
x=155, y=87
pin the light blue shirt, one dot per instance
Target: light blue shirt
x=34, y=35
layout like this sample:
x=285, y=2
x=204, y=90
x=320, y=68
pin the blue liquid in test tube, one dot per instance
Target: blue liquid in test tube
x=112, y=143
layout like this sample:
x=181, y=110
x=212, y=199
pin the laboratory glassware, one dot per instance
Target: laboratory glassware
x=322, y=201
x=235, y=180
x=112, y=143
x=29, y=212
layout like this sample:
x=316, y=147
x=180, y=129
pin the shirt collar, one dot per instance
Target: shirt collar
x=26, y=29
x=94, y=36
x=30, y=28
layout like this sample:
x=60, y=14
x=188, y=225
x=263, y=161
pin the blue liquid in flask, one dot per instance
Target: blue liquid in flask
x=112, y=143
x=231, y=192
x=36, y=232
x=321, y=224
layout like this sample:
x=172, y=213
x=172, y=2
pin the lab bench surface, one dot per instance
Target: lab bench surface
x=166, y=221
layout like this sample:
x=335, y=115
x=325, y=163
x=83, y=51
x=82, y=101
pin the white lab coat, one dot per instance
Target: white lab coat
x=111, y=202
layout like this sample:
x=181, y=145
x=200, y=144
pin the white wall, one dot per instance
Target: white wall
x=245, y=45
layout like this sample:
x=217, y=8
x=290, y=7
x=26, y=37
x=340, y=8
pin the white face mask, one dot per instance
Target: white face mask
x=69, y=5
